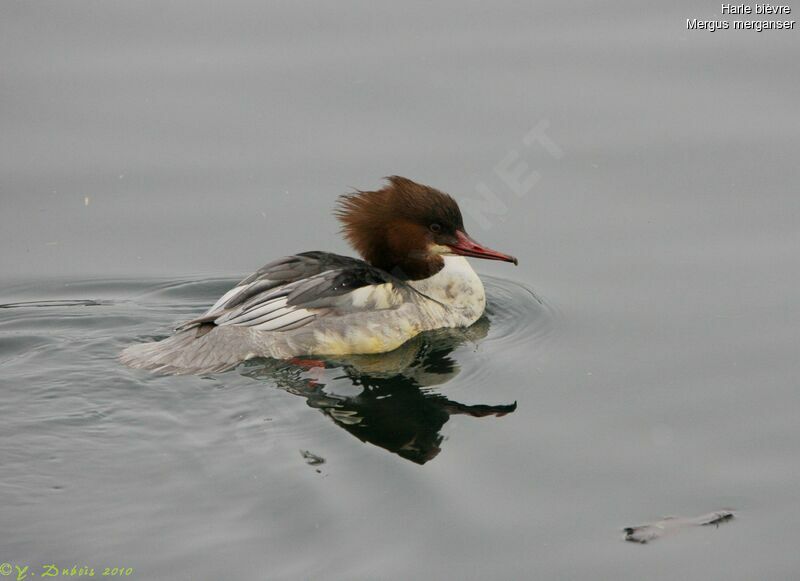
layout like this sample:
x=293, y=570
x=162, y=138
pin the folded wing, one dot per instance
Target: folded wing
x=294, y=291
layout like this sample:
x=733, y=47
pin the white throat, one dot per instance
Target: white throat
x=456, y=286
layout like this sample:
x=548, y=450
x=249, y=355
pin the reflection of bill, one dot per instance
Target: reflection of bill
x=393, y=408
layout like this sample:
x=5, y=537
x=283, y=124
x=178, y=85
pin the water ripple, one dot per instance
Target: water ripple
x=517, y=314
x=63, y=348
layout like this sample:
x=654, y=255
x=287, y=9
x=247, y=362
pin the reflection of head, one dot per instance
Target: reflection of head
x=393, y=409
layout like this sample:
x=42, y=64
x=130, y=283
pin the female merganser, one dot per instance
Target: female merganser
x=413, y=278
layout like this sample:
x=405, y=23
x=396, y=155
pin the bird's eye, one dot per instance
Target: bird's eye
x=436, y=228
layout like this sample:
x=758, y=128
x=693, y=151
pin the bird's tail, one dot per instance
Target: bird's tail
x=191, y=351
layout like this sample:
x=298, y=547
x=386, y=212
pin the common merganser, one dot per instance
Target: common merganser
x=413, y=278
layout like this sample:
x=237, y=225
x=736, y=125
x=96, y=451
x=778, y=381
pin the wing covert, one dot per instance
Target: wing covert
x=294, y=291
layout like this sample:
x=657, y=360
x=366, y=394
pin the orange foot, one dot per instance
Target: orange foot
x=307, y=363
x=314, y=367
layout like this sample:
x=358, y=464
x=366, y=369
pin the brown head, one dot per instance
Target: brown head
x=406, y=228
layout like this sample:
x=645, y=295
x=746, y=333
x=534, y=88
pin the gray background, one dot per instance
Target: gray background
x=210, y=137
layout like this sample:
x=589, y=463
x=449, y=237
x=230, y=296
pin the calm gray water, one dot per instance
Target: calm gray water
x=152, y=153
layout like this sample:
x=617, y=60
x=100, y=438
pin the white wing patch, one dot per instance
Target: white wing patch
x=276, y=315
x=273, y=315
x=252, y=316
x=226, y=297
x=264, y=304
x=291, y=319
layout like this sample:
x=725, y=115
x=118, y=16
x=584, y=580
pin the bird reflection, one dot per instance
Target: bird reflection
x=393, y=406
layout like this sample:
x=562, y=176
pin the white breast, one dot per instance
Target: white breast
x=458, y=288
